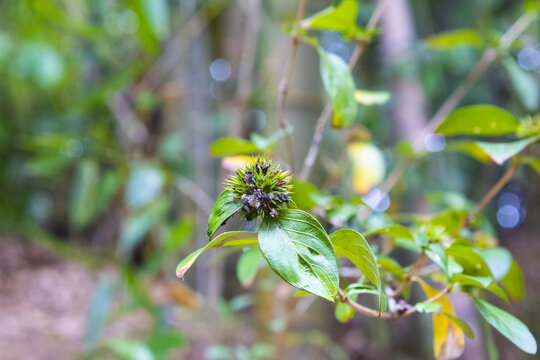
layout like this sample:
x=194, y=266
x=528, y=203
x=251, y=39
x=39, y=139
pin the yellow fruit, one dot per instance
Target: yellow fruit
x=367, y=166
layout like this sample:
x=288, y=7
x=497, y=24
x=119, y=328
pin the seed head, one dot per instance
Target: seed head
x=261, y=186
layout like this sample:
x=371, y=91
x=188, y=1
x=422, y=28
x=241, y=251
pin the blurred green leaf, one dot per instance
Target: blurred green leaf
x=247, y=266
x=180, y=232
x=499, y=261
x=157, y=14
x=232, y=238
x=462, y=324
x=223, y=209
x=341, y=18
x=524, y=83
x=108, y=186
x=391, y=266
x=98, y=311
x=394, y=231
x=369, y=98
x=139, y=224
x=144, y=185
x=339, y=85
x=479, y=120
x=84, y=193
x=454, y=38
x=352, y=245
x=513, y=282
x=40, y=62
x=425, y=307
x=501, y=152
x=533, y=163
x=485, y=282
x=472, y=262
x=298, y=249
x=508, y=325
x=232, y=146
x=161, y=343
x=301, y=194
x=344, y=313
x=131, y=350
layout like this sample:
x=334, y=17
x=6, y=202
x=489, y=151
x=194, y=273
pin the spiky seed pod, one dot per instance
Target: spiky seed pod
x=261, y=186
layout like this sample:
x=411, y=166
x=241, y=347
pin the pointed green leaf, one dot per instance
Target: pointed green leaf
x=339, y=85
x=232, y=146
x=298, y=249
x=247, y=266
x=479, y=120
x=513, y=282
x=484, y=282
x=462, y=324
x=499, y=261
x=343, y=312
x=341, y=18
x=232, y=238
x=508, y=325
x=469, y=258
x=500, y=152
x=223, y=209
x=352, y=245
x=455, y=38
x=524, y=83
x=394, y=231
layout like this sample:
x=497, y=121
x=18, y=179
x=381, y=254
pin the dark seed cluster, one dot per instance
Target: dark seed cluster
x=261, y=186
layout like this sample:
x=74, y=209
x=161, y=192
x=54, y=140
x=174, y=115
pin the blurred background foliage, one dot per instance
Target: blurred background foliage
x=108, y=112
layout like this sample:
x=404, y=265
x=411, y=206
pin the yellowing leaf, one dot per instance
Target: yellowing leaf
x=448, y=338
x=369, y=98
x=367, y=166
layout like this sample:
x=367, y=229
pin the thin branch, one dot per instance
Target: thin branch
x=495, y=189
x=410, y=275
x=313, y=150
x=196, y=194
x=284, y=83
x=361, y=309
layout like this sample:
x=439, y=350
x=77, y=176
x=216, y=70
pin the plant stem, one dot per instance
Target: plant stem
x=411, y=274
x=284, y=83
x=313, y=150
x=495, y=189
x=361, y=309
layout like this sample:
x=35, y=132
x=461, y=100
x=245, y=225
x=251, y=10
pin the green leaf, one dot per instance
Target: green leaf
x=341, y=18
x=247, y=266
x=352, y=245
x=84, y=193
x=339, y=84
x=479, y=120
x=455, y=38
x=232, y=238
x=472, y=262
x=98, y=311
x=484, y=282
x=301, y=194
x=369, y=98
x=298, y=249
x=499, y=261
x=130, y=350
x=500, y=152
x=513, y=282
x=157, y=15
x=391, y=265
x=232, y=146
x=525, y=85
x=532, y=162
x=508, y=325
x=139, y=224
x=437, y=254
x=223, y=209
x=144, y=185
x=343, y=312
x=425, y=307
x=462, y=324
x=469, y=148
x=394, y=231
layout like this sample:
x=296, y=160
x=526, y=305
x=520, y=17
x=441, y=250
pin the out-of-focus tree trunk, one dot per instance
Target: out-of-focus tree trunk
x=195, y=108
x=408, y=110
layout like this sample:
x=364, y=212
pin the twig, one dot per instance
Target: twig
x=410, y=275
x=361, y=309
x=284, y=83
x=313, y=150
x=195, y=193
x=495, y=189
